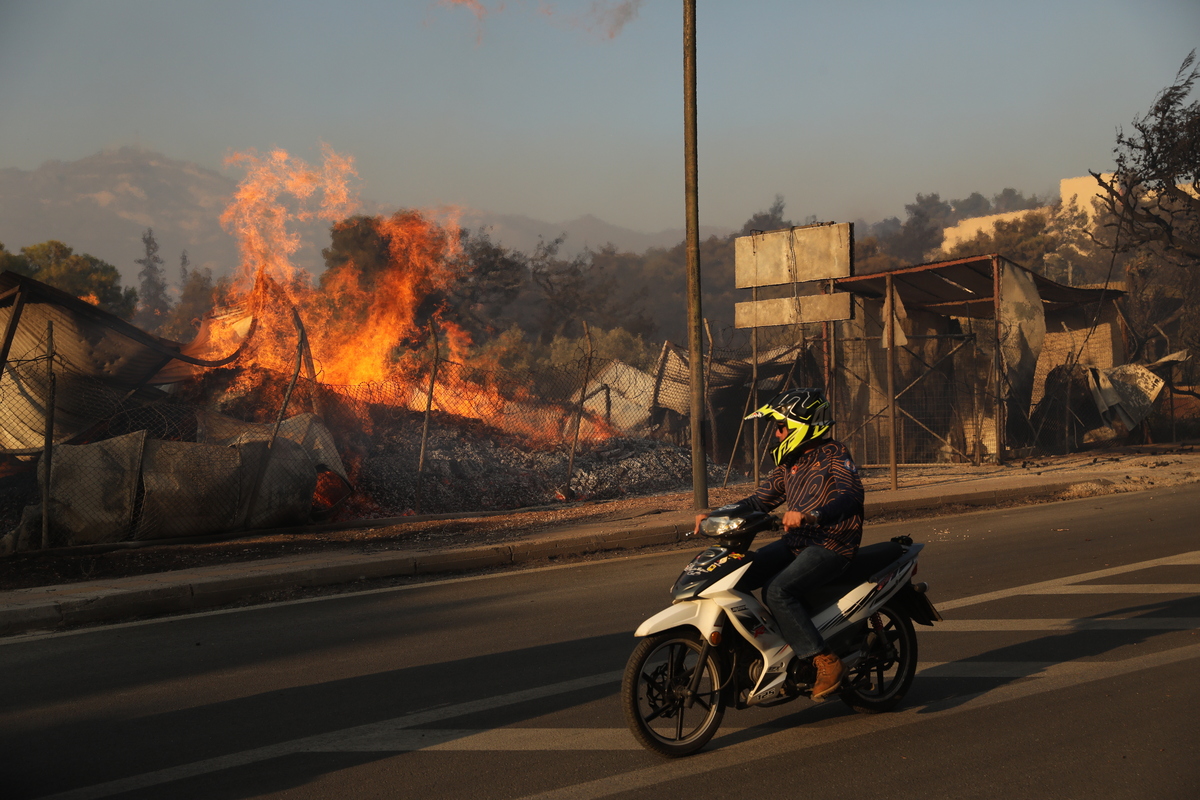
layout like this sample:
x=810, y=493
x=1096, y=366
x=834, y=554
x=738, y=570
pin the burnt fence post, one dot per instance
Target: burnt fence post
x=587, y=370
x=49, y=438
x=428, y=410
x=301, y=349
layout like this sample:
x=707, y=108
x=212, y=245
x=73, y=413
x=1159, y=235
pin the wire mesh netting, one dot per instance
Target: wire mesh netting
x=237, y=449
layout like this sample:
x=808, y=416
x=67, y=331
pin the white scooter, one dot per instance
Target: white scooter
x=717, y=645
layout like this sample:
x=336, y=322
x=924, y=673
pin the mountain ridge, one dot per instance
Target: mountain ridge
x=102, y=204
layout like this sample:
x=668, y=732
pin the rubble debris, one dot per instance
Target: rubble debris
x=472, y=467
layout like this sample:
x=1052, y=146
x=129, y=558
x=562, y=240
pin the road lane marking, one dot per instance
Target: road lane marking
x=493, y=739
x=398, y=735
x=516, y=570
x=566, y=739
x=1043, y=587
x=1190, y=589
x=743, y=751
x=320, y=742
x=325, y=741
x=1064, y=625
x=38, y=636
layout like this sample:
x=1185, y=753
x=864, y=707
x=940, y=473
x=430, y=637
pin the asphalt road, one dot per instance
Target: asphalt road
x=1065, y=669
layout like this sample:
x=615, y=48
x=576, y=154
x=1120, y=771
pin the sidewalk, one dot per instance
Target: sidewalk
x=180, y=591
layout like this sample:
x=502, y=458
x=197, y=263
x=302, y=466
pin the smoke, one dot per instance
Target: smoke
x=474, y=6
x=607, y=18
x=603, y=18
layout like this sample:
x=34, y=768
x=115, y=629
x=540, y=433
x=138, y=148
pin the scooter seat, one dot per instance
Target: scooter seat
x=870, y=560
x=867, y=562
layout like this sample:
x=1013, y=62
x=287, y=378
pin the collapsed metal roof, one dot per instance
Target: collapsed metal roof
x=100, y=361
x=965, y=287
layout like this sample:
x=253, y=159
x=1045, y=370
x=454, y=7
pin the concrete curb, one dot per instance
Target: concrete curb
x=50, y=607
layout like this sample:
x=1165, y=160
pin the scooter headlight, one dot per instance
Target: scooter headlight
x=719, y=526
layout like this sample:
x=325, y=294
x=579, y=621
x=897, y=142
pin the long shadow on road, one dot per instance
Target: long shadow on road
x=66, y=756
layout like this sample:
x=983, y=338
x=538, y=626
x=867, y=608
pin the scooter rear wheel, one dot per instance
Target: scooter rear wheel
x=655, y=693
x=879, y=681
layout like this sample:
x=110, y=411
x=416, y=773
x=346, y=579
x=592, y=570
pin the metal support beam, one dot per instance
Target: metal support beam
x=998, y=362
x=890, y=323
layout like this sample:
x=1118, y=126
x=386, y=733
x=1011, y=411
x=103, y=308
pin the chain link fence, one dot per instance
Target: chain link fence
x=237, y=449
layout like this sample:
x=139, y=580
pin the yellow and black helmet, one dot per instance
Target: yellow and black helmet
x=805, y=413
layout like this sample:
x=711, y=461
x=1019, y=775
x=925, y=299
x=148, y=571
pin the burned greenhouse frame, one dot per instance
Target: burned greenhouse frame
x=85, y=415
x=973, y=345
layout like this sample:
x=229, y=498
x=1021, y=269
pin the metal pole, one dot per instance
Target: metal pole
x=287, y=399
x=997, y=361
x=714, y=447
x=695, y=345
x=754, y=390
x=48, y=445
x=587, y=370
x=890, y=322
x=310, y=372
x=831, y=386
x=10, y=329
x=737, y=439
x=428, y=410
x=1171, y=387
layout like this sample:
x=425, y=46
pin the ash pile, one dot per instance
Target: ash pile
x=472, y=466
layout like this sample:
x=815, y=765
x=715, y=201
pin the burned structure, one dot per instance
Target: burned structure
x=956, y=361
x=967, y=347
x=109, y=434
x=84, y=402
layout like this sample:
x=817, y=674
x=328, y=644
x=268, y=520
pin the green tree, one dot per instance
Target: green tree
x=493, y=276
x=355, y=243
x=870, y=257
x=154, y=303
x=405, y=246
x=617, y=343
x=973, y=205
x=197, y=295
x=769, y=220
x=921, y=232
x=1025, y=240
x=571, y=290
x=1011, y=200
x=13, y=262
x=82, y=275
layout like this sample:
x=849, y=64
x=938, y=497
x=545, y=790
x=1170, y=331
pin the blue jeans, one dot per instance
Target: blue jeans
x=785, y=577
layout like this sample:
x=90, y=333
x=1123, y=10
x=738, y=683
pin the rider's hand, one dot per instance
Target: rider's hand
x=795, y=519
x=699, y=518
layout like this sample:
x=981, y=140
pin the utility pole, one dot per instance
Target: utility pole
x=695, y=343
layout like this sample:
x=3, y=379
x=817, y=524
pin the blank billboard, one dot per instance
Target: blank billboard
x=810, y=253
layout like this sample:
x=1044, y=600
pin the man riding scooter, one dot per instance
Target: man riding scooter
x=815, y=475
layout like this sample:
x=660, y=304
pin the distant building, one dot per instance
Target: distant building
x=1082, y=191
x=968, y=229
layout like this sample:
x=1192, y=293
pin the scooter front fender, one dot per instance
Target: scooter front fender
x=703, y=615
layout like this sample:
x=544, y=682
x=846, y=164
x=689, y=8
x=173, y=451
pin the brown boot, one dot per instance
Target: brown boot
x=829, y=675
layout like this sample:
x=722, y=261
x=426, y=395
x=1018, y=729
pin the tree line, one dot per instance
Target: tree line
x=152, y=307
x=526, y=309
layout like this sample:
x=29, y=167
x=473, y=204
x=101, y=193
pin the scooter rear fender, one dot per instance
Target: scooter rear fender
x=703, y=615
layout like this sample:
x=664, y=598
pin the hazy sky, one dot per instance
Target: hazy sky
x=847, y=109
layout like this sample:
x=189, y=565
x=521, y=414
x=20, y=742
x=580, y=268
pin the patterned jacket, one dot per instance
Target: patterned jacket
x=824, y=480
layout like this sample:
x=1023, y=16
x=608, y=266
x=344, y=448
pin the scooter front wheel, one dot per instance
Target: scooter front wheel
x=662, y=710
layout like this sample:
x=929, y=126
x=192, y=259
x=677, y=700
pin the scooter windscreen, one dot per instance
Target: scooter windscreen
x=706, y=569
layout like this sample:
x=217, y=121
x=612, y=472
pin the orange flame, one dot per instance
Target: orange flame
x=363, y=321
x=259, y=213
